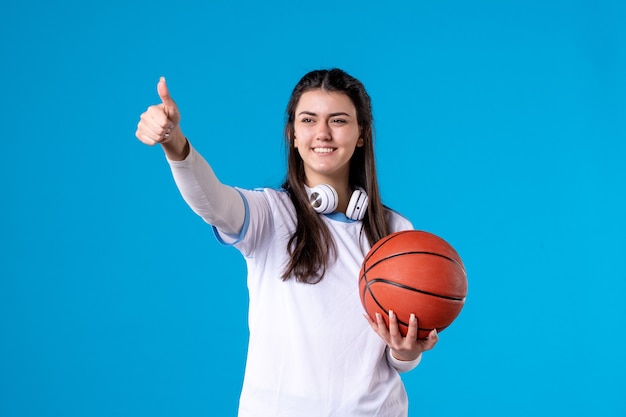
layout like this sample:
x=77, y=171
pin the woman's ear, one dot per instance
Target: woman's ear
x=360, y=142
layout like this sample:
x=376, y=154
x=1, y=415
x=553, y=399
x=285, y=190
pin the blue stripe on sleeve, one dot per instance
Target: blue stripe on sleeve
x=244, y=228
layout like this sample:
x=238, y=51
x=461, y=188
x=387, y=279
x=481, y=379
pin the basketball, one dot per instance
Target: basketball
x=415, y=272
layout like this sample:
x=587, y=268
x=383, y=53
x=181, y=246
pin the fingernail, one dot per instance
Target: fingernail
x=378, y=316
x=412, y=318
x=391, y=315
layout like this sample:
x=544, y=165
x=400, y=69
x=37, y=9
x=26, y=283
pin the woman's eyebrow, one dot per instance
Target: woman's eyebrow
x=310, y=113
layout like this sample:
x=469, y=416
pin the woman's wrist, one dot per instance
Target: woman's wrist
x=402, y=365
x=177, y=148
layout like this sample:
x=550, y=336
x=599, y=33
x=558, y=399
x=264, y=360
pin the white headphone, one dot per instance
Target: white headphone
x=324, y=200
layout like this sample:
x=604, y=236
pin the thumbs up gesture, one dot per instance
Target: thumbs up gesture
x=160, y=123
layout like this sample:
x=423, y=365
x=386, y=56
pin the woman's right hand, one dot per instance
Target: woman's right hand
x=160, y=123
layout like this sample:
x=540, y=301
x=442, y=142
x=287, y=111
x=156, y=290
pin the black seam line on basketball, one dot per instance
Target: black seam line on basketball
x=400, y=322
x=382, y=241
x=406, y=287
x=416, y=253
x=381, y=306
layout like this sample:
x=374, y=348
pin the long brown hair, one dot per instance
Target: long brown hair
x=312, y=247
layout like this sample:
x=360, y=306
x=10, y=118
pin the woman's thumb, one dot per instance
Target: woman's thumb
x=171, y=110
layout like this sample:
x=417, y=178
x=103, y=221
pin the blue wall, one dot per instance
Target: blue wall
x=500, y=127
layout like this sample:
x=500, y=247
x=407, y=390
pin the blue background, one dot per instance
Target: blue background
x=500, y=127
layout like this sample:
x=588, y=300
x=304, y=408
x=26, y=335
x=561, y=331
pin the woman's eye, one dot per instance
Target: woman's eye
x=339, y=121
x=307, y=120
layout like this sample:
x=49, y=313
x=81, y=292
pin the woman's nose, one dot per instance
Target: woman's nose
x=323, y=132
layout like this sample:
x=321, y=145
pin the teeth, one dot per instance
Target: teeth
x=323, y=150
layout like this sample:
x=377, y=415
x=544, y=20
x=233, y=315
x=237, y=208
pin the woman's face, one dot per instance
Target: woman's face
x=326, y=135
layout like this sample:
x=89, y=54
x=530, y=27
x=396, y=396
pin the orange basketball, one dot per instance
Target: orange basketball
x=413, y=272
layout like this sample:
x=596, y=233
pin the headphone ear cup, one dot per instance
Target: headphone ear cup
x=323, y=198
x=357, y=205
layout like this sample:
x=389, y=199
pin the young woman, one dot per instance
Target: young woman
x=311, y=352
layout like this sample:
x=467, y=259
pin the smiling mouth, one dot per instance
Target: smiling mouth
x=323, y=150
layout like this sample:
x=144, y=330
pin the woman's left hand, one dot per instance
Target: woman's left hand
x=402, y=348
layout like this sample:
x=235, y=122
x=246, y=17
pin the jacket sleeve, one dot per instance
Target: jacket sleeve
x=217, y=204
x=402, y=366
